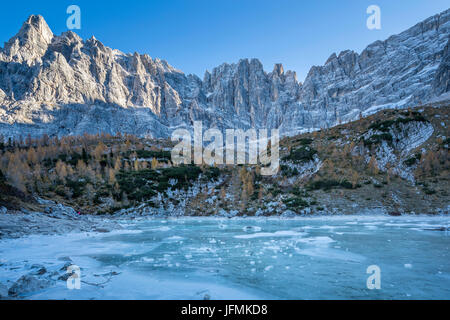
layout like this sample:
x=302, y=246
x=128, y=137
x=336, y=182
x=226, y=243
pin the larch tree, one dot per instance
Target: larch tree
x=118, y=163
x=354, y=178
x=61, y=170
x=373, y=166
x=16, y=176
x=154, y=163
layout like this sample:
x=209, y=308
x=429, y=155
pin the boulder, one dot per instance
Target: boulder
x=27, y=284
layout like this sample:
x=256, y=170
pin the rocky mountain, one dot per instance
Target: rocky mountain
x=62, y=85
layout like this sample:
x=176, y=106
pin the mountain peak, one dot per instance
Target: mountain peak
x=31, y=42
x=36, y=20
x=278, y=69
x=332, y=57
x=36, y=25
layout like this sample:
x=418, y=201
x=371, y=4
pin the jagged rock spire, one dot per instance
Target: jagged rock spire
x=31, y=42
x=278, y=69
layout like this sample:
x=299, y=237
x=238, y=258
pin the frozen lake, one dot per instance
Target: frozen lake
x=260, y=258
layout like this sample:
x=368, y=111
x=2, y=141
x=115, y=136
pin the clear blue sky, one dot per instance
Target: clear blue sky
x=196, y=35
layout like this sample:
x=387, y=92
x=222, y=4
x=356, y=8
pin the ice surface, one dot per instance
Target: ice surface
x=188, y=258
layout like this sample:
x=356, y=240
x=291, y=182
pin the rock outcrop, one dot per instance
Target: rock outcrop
x=441, y=82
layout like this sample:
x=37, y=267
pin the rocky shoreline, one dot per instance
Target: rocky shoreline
x=56, y=219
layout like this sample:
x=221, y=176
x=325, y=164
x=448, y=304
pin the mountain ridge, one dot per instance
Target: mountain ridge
x=62, y=85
